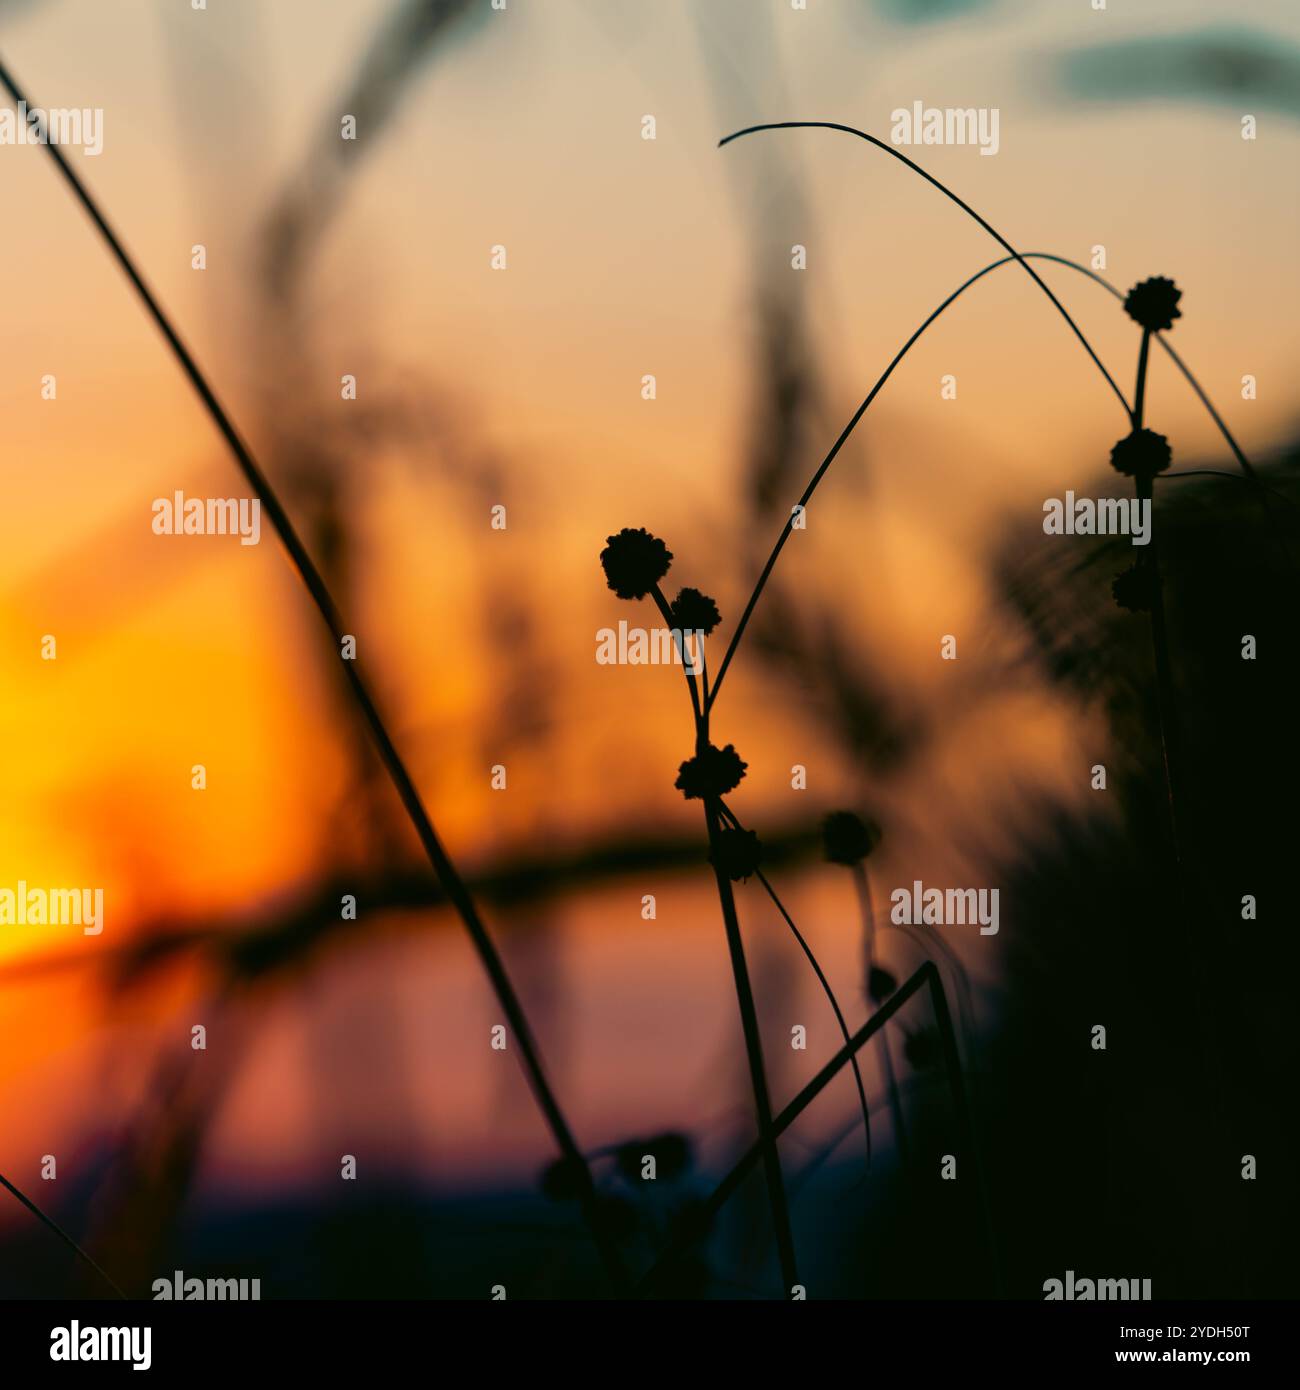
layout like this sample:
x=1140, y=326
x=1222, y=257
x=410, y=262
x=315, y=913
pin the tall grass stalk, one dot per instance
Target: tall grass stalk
x=993, y=232
x=60, y=1232
x=927, y=976
x=896, y=1115
x=448, y=875
x=1166, y=707
x=713, y=813
x=754, y=1053
x=822, y=980
x=1021, y=258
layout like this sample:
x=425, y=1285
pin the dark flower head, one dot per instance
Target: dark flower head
x=695, y=612
x=880, y=984
x=1132, y=588
x=737, y=853
x=846, y=838
x=634, y=562
x=1154, y=303
x=1144, y=453
x=714, y=772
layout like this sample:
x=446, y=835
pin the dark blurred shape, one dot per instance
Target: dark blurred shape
x=880, y=984
x=1228, y=65
x=617, y=1216
x=847, y=838
x=737, y=853
x=1132, y=588
x=671, y=1153
x=562, y=1181
x=686, y=1274
x=401, y=47
x=1112, y=928
x=922, y=1048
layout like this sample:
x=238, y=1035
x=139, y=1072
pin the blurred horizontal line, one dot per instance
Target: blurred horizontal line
x=288, y=935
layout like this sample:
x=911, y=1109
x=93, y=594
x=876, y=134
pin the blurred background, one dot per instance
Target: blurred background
x=522, y=128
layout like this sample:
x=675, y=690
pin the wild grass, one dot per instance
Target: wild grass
x=720, y=822
x=58, y=1230
x=628, y=583
x=393, y=763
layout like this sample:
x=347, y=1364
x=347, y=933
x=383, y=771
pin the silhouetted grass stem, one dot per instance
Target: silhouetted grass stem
x=1166, y=707
x=1140, y=394
x=822, y=980
x=754, y=1052
x=927, y=975
x=60, y=1232
x=897, y=1118
x=888, y=372
x=312, y=579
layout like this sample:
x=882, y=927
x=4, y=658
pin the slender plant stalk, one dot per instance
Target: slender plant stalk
x=805, y=1097
x=697, y=707
x=453, y=884
x=1140, y=393
x=1172, y=756
x=1262, y=492
x=948, y=193
x=931, y=944
x=988, y=227
x=830, y=457
x=825, y=984
x=450, y=878
x=965, y=1121
x=834, y=1003
x=926, y=976
x=754, y=1052
x=60, y=1232
x=744, y=992
x=897, y=1118
x=1172, y=353
x=825, y=464
x=827, y=1148
x=1166, y=707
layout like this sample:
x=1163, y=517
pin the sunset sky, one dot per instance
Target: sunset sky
x=476, y=386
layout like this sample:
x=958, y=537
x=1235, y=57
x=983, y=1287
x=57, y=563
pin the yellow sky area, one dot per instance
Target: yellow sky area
x=102, y=740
